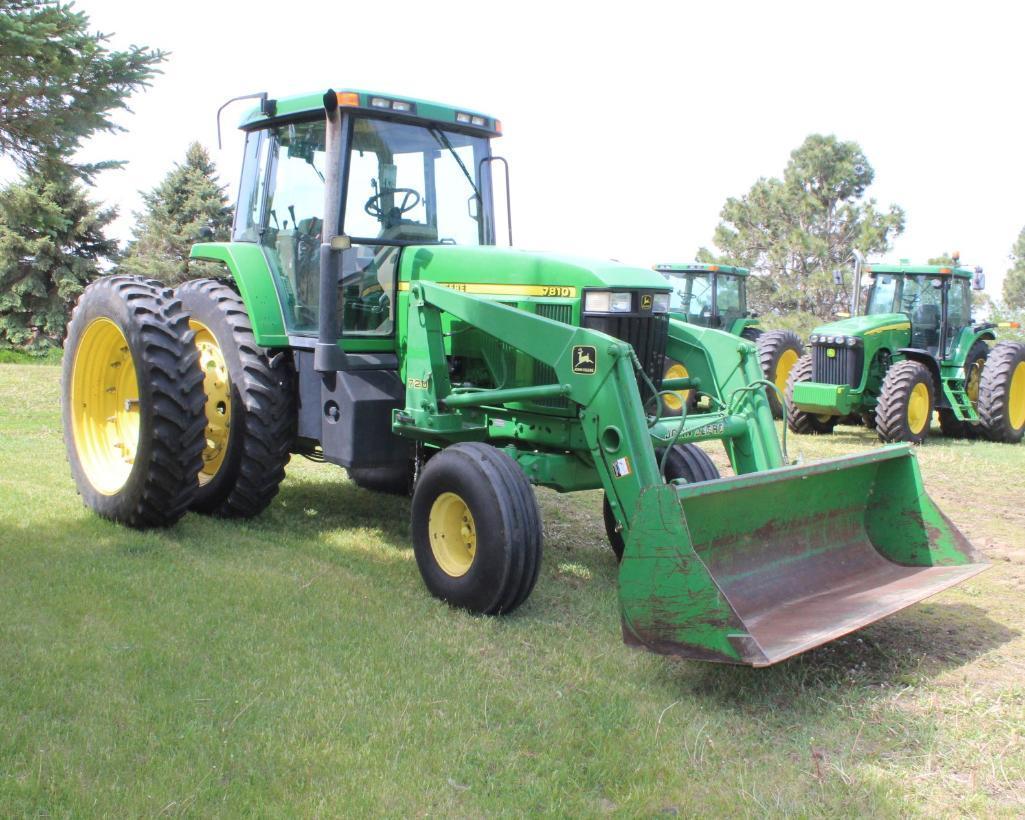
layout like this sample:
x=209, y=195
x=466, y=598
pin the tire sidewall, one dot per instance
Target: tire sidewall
x=204, y=309
x=104, y=302
x=483, y=583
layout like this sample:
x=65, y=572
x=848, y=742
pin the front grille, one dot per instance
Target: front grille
x=647, y=334
x=543, y=374
x=843, y=367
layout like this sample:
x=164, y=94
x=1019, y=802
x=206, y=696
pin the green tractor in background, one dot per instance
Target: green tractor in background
x=716, y=296
x=915, y=350
x=366, y=318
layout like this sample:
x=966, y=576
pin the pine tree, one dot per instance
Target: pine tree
x=1014, y=282
x=794, y=232
x=189, y=199
x=52, y=244
x=60, y=82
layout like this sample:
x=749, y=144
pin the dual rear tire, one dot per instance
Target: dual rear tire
x=169, y=405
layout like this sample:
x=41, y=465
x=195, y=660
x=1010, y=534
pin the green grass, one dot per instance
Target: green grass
x=51, y=355
x=294, y=665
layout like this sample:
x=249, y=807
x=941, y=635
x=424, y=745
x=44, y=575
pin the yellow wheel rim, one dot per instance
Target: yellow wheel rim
x=453, y=534
x=1016, y=397
x=974, y=380
x=918, y=408
x=785, y=363
x=105, y=406
x=671, y=400
x=217, y=387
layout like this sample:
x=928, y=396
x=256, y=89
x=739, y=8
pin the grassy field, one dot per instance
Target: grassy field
x=295, y=665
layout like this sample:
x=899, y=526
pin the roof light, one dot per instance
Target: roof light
x=478, y=121
x=401, y=105
x=498, y=126
x=348, y=98
x=463, y=118
x=944, y=270
x=713, y=268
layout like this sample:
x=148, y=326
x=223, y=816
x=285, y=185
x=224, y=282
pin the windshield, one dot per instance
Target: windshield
x=729, y=298
x=414, y=183
x=692, y=294
x=880, y=297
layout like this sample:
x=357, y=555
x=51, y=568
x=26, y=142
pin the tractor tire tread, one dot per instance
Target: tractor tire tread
x=166, y=362
x=265, y=391
x=995, y=392
x=799, y=421
x=892, y=409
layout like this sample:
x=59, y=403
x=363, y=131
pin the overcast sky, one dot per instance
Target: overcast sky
x=626, y=125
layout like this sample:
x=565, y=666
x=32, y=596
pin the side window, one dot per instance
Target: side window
x=294, y=215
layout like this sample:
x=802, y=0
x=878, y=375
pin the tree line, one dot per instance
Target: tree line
x=63, y=84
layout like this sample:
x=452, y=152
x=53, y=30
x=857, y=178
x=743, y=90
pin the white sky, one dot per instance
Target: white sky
x=627, y=125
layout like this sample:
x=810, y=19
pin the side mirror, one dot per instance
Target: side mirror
x=205, y=234
x=979, y=280
x=837, y=278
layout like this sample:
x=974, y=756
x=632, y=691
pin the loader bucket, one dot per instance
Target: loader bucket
x=758, y=568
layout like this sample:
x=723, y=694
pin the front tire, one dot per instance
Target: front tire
x=132, y=402
x=1002, y=393
x=798, y=420
x=476, y=527
x=686, y=461
x=250, y=409
x=778, y=352
x=906, y=403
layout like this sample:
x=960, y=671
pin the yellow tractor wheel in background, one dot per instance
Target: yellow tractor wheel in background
x=671, y=402
x=249, y=409
x=975, y=364
x=778, y=352
x=132, y=402
x=906, y=403
x=1002, y=393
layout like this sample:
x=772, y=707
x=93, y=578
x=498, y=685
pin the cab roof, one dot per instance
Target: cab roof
x=927, y=270
x=379, y=103
x=699, y=267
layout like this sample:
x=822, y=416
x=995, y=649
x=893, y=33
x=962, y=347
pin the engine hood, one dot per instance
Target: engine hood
x=864, y=325
x=509, y=266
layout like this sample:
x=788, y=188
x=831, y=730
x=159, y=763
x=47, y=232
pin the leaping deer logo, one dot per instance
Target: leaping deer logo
x=583, y=359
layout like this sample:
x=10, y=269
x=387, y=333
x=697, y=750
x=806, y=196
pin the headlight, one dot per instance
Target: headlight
x=852, y=341
x=605, y=301
x=813, y=338
x=660, y=304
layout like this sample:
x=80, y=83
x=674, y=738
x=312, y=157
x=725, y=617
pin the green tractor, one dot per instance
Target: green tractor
x=716, y=296
x=366, y=318
x=915, y=350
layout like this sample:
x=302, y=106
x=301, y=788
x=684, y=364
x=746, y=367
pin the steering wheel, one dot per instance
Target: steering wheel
x=410, y=199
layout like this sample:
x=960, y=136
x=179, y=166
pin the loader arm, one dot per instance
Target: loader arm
x=751, y=569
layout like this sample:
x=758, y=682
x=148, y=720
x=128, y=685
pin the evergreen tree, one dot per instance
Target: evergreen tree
x=794, y=232
x=52, y=244
x=60, y=82
x=1014, y=282
x=189, y=199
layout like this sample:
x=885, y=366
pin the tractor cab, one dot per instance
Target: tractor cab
x=408, y=173
x=712, y=296
x=935, y=299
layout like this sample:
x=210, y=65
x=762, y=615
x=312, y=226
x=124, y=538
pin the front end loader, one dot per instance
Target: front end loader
x=366, y=318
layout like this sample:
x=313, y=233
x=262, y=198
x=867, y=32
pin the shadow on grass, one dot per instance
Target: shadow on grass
x=903, y=650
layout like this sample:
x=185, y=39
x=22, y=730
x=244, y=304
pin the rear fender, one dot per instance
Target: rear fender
x=248, y=266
